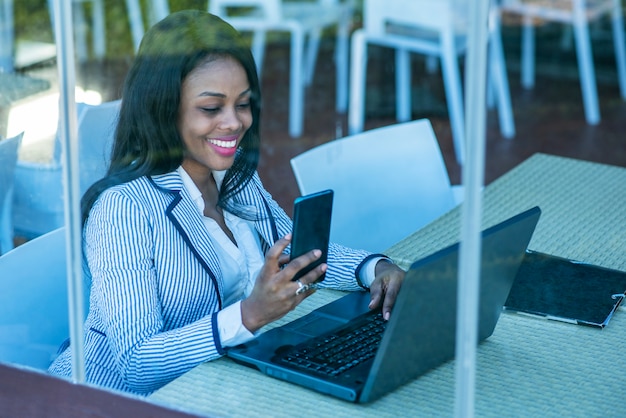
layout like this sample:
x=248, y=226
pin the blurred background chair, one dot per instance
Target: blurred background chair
x=579, y=14
x=34, y=319
x=434, y=28
x=8, y=159
x=38, y=203
x=304, y=21
x=156, y=10
x=388, y=182
x=82, y=28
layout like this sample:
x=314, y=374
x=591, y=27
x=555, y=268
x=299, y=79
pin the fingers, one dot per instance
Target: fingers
x=300, y=263
x=385, y=288
x=307, y=284
x=284, y=269
x=386, y=295
x=276, y=251
x=276, y=257
x=389, y=301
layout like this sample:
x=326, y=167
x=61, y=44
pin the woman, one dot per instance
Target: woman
x=186, y=251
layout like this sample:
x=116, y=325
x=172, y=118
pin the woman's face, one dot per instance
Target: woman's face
x=214, y=114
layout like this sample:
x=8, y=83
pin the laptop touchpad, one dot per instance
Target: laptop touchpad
x=313, y=325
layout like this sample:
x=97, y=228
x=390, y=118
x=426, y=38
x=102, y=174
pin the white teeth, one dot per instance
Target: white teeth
x=223, y=144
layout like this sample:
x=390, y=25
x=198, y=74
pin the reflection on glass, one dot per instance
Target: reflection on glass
x=29, y=102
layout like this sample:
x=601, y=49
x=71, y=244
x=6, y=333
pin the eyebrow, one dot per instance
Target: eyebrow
x=222, y=95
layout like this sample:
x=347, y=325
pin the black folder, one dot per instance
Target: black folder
x=566, y=290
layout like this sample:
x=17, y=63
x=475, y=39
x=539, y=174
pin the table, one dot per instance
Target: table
x=528, y=367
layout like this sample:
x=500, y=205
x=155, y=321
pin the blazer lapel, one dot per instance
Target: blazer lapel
x=185, y=217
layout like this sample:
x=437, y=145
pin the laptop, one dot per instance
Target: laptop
x=419, y=336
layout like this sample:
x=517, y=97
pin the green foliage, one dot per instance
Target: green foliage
x=32, y=21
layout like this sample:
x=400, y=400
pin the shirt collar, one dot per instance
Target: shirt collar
x=193, y=190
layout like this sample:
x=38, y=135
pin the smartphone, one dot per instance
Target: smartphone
x=311, y=227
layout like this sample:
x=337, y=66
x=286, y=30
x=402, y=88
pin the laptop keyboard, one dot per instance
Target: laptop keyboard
x=335, y=353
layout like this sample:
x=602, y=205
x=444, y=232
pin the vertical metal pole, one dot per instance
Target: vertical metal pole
x=473, y=178
x=68, y=132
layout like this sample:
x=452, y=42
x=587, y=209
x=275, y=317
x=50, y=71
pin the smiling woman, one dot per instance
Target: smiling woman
x=186, y=251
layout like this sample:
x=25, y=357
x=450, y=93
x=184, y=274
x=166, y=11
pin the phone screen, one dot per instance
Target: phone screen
x=311, y=227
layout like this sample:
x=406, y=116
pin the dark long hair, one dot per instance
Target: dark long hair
x=147, y=141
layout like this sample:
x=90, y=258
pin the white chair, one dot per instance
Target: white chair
x=388, y=183
x=157, y=10
x=81, y=27
x=304, y=21
x=579, y=14
x=8, y=160
x=435, y=28
x=39, y=203
x=34, y=319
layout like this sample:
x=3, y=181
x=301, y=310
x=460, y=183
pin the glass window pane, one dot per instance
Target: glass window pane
x=534, y=105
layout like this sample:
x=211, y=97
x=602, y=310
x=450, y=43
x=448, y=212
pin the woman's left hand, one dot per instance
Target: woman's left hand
x=386, y=286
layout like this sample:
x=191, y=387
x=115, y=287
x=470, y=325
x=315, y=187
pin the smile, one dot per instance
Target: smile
x=223, y=144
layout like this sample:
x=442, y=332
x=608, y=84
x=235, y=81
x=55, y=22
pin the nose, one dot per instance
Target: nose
x=230, y=120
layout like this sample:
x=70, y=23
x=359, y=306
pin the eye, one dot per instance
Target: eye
x=210, y=110
x=243, y=106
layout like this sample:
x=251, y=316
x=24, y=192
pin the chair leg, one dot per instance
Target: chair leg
x=80, y=29
x=432, y=65
x=454, y=94
x=566, y=38
x=159, y=9
x=528, y=53
x=500, y=85
x=296, y=85
x=586, y=68
x=619, y=45
x=136, y=22
x=7, y=37
x=312, y=49
x=258, y=49
x=403, y=85
x=99, y=36
x=341, y=63
x=358, y=67
x=6, y=223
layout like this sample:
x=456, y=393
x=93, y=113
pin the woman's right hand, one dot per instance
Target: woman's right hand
x=274, y=293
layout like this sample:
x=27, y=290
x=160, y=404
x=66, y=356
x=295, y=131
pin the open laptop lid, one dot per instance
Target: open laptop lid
x=421, y=333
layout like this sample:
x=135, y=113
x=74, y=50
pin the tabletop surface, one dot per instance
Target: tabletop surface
x=528, y=367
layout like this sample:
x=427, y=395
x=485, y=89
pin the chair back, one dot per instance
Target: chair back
x=39, y=204
x=381, y=17
x=96, y=130
x=388, y=183
x=33, y=301
x=8, y=159
x=259, y=9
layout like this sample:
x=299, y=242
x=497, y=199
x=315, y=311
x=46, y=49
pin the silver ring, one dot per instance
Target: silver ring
x=302, y=288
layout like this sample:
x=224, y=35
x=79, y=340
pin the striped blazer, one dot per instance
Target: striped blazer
x=156, y=284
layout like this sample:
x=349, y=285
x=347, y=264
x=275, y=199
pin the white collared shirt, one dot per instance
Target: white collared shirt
x=240, y=264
